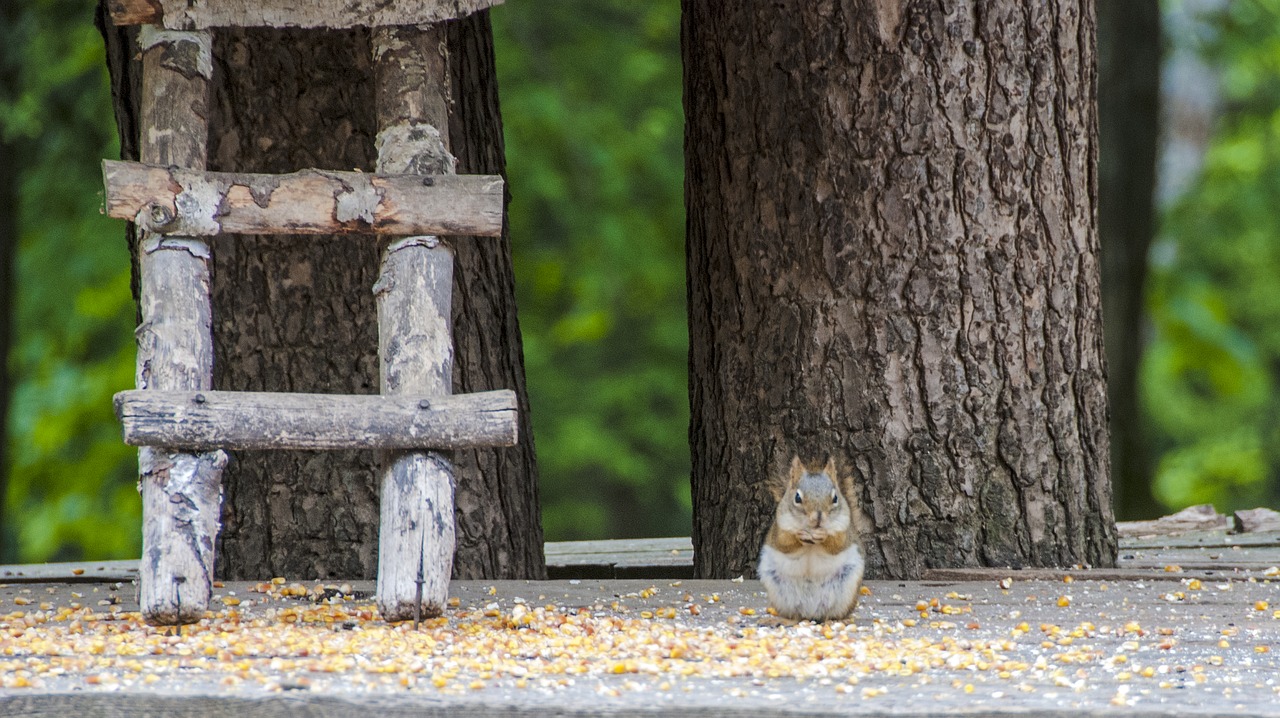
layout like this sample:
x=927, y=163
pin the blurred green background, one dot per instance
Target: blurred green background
x=591, y=104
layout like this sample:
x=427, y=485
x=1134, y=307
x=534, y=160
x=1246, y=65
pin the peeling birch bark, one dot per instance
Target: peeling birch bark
x=417, y=535
x=177, y=201
x=204, y=14
x=181, y=493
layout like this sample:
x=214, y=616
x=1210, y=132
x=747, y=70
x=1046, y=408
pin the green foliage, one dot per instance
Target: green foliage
x=591, y=107
x=1210, y=373
x=71, y=487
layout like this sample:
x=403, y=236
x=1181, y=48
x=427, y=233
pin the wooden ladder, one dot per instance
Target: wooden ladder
x=180, y=423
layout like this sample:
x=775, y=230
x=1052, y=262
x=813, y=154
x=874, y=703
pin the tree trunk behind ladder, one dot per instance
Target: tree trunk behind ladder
x=296, y=314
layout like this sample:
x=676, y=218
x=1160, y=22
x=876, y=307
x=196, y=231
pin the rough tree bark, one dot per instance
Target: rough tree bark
x=892, y=257
x=297, y=314
x=1129, y=49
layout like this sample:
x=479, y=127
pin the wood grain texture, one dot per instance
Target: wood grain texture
x=71, y=572
x=181, y=496
x=204, y=14
x=1193, y=518
x=256, y=421
x=893, y=256
x=417, y=534
x=172, y=200
x=133, y=12
x=1256, y=520
x=181, y=493
x=417, y=531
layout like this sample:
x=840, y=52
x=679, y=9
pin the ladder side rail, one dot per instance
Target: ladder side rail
x=181, y=491
x=417, y=534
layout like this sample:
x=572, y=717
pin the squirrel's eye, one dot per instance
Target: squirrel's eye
x=835, y=498
x=797, y=498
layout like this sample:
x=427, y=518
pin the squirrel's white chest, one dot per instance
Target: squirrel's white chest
x=811, y=583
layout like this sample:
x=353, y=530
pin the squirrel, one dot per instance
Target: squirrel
x=812, y=560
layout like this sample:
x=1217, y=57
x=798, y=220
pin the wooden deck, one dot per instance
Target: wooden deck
x=1207, y=554
x=1187, y=625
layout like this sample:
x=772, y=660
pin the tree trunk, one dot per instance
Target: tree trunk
x=892, y=258
x=1128, y=130
x=297, y=313
x=499, y=517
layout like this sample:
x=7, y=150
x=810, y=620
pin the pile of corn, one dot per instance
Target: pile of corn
x=281, y=636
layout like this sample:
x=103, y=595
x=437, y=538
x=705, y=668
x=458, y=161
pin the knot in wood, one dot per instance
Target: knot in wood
x=158, y=217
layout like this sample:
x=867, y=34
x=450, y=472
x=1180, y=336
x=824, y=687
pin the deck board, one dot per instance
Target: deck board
x=1199, y=554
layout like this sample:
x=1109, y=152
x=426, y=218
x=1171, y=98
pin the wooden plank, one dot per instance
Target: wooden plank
x=417, y=533
x=1193, y=518
x=1093, y=574
x=176, y=201
x=673, y=558
x=1259, y=520
x=639, y=547
x=264, y=420
x=70, y=572
x=1205, y=558
x=620, y=558
x=1201, y=539
x=181, y=492
x=204, y=14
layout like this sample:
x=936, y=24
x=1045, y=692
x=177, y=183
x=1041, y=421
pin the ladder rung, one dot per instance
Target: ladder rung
x=191, y=203
x=205, y=420
x=201, y=14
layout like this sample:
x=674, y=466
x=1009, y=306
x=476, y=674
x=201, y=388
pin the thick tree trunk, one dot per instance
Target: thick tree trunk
x=1128, y=130
x=297, y=314
x=892, y=258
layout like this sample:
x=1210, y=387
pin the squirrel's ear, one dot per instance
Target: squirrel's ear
x=797, y=469
x=830, y=468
